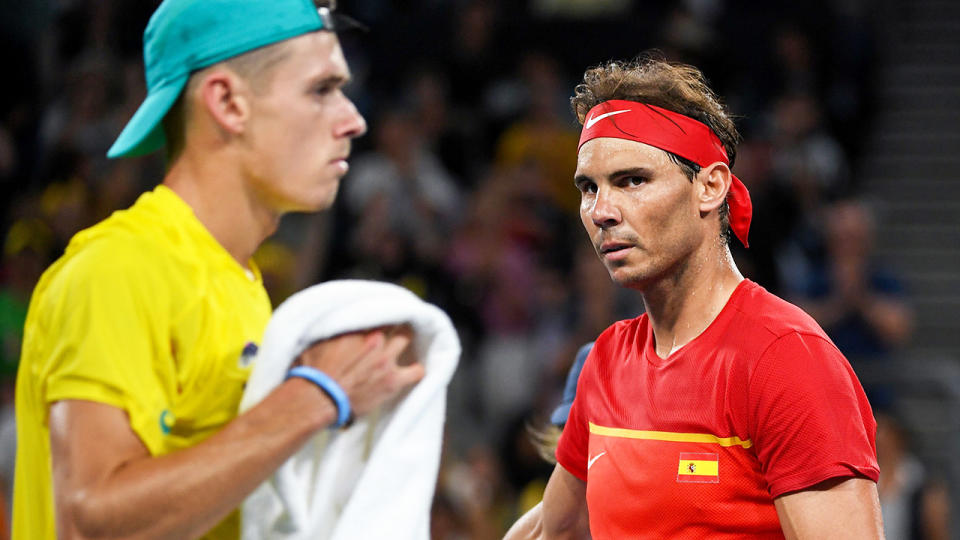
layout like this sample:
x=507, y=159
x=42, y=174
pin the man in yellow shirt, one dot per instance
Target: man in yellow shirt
x=139, y=339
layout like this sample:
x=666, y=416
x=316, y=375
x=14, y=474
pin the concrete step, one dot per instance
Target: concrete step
x=937, y=305
x=921, y=89
x=912, y=190
x=937, y=184
x=910, y=260
x=909, y=193
x=911, y=120
x=921, y=351
x=933, y=282
x=917, y=234
x=927, y=159
x=905, y=213
x=923, y=14
x=943, y=25
x=935, y=320
x=901, y=143
x=927, y=71
x=945, y=341
x=934, y=49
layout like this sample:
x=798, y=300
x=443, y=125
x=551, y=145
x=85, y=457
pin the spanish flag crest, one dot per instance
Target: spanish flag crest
x=699, y=468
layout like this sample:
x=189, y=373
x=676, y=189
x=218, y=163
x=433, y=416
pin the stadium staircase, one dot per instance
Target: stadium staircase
x=911, y=167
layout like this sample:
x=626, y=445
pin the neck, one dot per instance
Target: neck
x=214, y=188
x=681, y=306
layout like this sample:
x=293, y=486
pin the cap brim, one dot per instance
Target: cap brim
x=144, y=132
x=560, y=414
x=346, y=23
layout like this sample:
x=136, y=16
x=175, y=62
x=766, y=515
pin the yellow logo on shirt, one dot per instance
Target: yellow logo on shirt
x=166, y=421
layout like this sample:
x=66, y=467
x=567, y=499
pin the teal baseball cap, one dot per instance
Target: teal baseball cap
x=186, y=35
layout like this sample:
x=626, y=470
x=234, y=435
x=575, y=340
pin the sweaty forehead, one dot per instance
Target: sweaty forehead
x=599, y=156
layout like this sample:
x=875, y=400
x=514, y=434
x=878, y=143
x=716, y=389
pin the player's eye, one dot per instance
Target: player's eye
x=585, y=186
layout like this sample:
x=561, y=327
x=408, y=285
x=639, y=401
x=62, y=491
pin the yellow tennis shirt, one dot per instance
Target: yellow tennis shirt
x=146, y=312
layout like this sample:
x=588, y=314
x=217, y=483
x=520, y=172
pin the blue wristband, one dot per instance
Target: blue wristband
x=331, y=388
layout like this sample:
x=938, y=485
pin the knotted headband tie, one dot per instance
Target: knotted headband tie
x=675, y=133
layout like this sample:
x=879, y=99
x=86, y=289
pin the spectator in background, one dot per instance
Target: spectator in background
x=915, y=503
x=775, y=213
x=812, y=170
x=472, y=59
x=494, y=262
x=452, y=133
x=82, y=120
x=403, y=183
x=530, y=525
x=543, y=136
x=807, y=157
x=26, y=252
x=854, y=297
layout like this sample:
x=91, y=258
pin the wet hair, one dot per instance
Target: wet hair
x=676, y=87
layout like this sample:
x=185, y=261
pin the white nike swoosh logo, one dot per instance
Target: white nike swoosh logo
x=594, y=459
x=596, y=119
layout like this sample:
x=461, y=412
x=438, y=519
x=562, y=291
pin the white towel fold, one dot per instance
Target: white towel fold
x=376, y=479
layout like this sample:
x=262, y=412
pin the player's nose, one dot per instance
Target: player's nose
x=352, y=123
x=605, y=212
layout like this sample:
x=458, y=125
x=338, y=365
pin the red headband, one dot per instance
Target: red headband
x=672, y=132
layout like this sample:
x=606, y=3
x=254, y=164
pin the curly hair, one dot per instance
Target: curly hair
x=676, y=87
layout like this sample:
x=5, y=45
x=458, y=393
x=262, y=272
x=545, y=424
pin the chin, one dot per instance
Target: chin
x=324, y=199
x=630, y=278
x=316, y=203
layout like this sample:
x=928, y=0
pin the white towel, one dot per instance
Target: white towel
x=375, y=479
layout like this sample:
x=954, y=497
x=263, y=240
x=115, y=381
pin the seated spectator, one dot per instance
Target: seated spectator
x=858, y=301
x=914, y=505
x=424, y=199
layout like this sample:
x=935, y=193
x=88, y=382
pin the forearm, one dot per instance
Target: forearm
x=529, y=526
x=186, y=493
x=564, y=508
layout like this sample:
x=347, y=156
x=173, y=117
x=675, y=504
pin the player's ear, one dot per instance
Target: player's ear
x=714, y=183
x=224, y=97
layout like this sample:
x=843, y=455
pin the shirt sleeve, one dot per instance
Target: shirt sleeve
x=105, y=326
x=809, y=417
x=575, y=440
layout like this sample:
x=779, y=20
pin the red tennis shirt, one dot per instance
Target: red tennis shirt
x=697, y=445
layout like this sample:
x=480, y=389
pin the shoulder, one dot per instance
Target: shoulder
x=783, y=343
x=111, y=248
x=766, y=317
x=132, y=250
x=762, y=332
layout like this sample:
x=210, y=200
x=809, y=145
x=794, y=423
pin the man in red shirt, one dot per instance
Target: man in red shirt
x=724, y=411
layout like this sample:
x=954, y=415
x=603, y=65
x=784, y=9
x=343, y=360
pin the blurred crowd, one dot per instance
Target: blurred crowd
x=463, y=192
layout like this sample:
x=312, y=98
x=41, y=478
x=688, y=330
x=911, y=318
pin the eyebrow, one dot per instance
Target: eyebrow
x=630, y=171
x=338, y=79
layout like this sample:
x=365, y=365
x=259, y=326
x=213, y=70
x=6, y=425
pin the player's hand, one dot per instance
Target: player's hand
x=372, y=367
